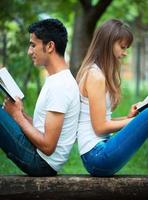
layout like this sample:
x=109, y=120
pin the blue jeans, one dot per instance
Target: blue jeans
x=109, y=156
x=19, y=149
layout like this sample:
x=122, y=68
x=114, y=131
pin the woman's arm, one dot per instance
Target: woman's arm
x=96, y=93
x=133, y=112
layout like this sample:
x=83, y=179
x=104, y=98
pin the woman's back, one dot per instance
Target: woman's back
x=87, y=137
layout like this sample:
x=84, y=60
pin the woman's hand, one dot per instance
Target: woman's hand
x=133, y=111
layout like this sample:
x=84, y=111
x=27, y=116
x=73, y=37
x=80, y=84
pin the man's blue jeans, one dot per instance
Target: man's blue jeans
x=109, y=156
x=19, y=149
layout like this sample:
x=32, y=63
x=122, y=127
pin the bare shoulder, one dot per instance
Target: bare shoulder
x=95, y=77
x=95, y=84
x=92, y=80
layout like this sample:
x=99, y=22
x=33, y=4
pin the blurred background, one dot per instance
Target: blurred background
x=80, y=18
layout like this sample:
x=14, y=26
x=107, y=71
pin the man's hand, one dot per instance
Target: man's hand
x=15, y=109
x=47, y=141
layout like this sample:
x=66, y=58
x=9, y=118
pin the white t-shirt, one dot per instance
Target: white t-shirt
x=59, y=93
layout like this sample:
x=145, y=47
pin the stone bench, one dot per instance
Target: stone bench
x=74, y=187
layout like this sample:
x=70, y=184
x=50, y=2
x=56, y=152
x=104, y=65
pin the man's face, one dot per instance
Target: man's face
x=37, y=51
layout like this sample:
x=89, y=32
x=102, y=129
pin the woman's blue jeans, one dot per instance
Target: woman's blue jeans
x=109, y=156
x=19, y=149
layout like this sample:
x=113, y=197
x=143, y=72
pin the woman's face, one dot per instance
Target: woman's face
x=120, y=49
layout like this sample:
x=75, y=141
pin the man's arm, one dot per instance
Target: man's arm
x=29, y=118
x=46, y=141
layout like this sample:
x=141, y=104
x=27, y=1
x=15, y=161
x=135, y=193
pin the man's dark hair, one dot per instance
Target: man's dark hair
x=51, y=30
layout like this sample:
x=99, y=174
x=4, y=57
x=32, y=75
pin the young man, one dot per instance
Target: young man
x=39, y=147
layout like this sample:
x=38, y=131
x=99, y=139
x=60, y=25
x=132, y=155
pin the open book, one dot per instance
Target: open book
x=142, y=105
x=8, y=85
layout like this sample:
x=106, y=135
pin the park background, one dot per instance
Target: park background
x=81, y=18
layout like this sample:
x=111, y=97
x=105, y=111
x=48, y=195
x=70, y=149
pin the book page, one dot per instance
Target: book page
x=143, y=103
x=8, y=83
x=3, y=84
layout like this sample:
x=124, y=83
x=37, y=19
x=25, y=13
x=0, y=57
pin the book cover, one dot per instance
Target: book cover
x=142, y=105
x=8, y=85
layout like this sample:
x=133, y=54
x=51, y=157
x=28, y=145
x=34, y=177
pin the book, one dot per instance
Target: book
x=9, y=86
x=143, y=104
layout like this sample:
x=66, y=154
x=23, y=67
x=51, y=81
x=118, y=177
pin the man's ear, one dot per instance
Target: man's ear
x=50, y=46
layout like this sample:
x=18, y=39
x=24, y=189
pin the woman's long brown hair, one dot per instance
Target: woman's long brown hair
x=100, y=52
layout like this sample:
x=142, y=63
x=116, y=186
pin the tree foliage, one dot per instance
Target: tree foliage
x=79, y=16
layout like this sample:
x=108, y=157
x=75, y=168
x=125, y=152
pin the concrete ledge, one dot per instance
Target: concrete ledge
x=73, y=187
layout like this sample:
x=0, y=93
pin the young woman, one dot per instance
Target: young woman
x=103, y=152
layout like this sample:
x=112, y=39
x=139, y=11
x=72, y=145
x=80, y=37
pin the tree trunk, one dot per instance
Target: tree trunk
x=81, y=40
x=3, y=50
x=74, y=187
x=86, y=18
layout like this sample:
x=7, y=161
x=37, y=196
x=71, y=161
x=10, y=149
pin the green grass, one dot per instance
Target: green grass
x=139, y=162
x=7, y=166
x=137, y=165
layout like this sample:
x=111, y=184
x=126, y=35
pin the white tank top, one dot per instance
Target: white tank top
x=86, y=136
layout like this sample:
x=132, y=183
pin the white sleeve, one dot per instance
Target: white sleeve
x=58, y=100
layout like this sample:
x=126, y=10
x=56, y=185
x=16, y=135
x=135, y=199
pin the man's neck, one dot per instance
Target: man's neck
x=56, y=65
